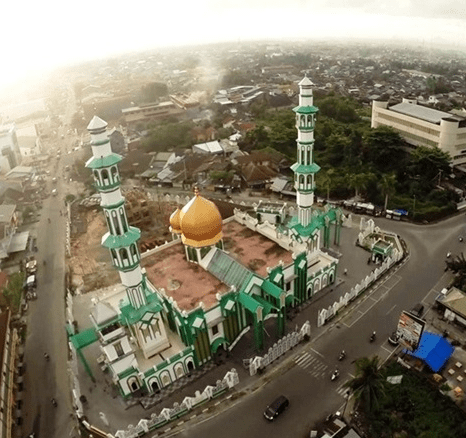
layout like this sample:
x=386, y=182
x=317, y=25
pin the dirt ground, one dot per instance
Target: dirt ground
x=90, y=264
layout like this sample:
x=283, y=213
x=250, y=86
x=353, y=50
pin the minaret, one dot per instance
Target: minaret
x=305, y=168
x=121, y=239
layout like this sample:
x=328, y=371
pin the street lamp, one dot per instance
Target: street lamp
x=414, y=206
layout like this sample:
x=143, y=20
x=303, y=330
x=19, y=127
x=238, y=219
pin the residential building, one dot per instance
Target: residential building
x=8, y=343
x=145, y=113
x=424, y=126
x=28, y=141
x=10, y=155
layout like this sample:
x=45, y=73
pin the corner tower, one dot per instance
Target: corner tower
x=121, y=239
x=305, y=168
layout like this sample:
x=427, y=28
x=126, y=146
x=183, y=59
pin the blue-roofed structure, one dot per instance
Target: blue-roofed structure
x=434, y=350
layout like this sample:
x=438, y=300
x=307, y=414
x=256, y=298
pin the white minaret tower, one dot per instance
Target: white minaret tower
x=305, y=168
x=121, y=239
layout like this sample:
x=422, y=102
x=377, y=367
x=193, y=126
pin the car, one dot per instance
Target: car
x=276, y=408
x=417, y=310
x=393, y=338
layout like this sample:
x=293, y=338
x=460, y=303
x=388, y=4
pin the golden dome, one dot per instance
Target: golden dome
x=201, y=222
x=175, y=221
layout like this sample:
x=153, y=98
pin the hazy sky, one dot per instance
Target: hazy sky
x=41, y=34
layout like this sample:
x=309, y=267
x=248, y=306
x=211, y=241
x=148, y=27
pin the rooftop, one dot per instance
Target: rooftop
x=423, y=113
x=188, y=283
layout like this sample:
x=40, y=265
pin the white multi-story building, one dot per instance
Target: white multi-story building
x=423, y=126
x=9, y=148
x=28, y=141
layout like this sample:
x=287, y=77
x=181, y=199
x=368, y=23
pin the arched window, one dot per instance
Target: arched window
x=114, y=173
x=109, y=223
x=134, y=253
x=97, y=177
x=301, y=180
x=114, y=257
x=303, y=120
x=308, y=156
x=104, y=174
x=124, y=256
x=116, y=223
x=123, y=220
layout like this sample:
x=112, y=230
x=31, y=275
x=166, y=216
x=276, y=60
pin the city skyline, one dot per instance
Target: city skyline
x=48, y=35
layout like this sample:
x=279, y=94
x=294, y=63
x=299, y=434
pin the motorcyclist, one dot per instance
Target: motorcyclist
x=47, y=357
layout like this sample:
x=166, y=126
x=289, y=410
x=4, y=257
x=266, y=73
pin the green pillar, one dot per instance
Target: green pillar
x=258, y=334
x=281, y=322
x=86, y=365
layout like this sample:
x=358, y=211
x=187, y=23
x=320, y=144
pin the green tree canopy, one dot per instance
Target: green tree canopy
x=153, y=91
x=384, y=149
x=368, y=383
x=426, y=165
x=169, y=135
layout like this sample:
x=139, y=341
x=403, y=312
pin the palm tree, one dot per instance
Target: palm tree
x=387, y=186
x=359, y=181
x=325, y=179
x=368, y=384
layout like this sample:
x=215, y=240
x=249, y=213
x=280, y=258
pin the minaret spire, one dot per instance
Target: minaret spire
x=121, y=239
x=305, y=168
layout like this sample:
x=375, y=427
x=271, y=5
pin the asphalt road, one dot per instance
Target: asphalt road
x=307, y=383
x=45, y=380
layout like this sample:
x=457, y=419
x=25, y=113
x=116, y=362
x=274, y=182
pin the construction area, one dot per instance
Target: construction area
x=89, y=265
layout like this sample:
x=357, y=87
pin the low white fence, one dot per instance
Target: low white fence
x=326, y=314
x=167, y=415
x=279, y=348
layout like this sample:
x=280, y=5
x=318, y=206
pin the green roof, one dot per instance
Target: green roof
x=272, y=289
x=317, y=222
x=228, y=270
x=84, y=338
x=249, y=302
x=268, y=307
x=301, y=168
x=99, y=163
x=310, y=109
x=132, y=315
x=131, y=236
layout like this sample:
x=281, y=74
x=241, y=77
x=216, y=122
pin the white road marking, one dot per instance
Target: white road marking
x=316, y=352
x=391, y=309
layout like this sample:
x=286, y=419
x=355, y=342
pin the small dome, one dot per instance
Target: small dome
x=175, y=221
x=201, y=222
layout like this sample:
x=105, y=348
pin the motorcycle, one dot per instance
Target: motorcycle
x=47, y=357
x=335, y=375
x=372, y=338
x=54, y=402
x=342, y=355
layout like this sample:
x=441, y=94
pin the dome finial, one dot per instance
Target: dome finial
x=196, y=190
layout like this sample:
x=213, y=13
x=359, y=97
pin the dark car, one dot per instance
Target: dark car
x=276, y=408
x=417, y=310
x=394, y=339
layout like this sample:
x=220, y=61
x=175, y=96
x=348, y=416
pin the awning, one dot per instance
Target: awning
x=433, y=349
x=19, y=242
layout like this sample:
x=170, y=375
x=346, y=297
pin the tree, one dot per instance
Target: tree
x=13, y=292
x=153, y=91
x=457, y=264
x=384, y=149
x=325, y=179
x=368, y=383
x=427, y=165
x=387, y=186
x=359, y=181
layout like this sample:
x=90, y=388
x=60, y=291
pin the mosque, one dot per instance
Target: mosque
x=179, y=306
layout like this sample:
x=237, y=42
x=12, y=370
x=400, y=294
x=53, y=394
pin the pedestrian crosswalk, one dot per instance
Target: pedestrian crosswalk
x=343, y=390
x=312, y=364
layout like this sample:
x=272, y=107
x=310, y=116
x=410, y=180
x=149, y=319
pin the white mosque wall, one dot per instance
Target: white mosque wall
x=305, y=199
x=111, y=198
x=131, y=278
